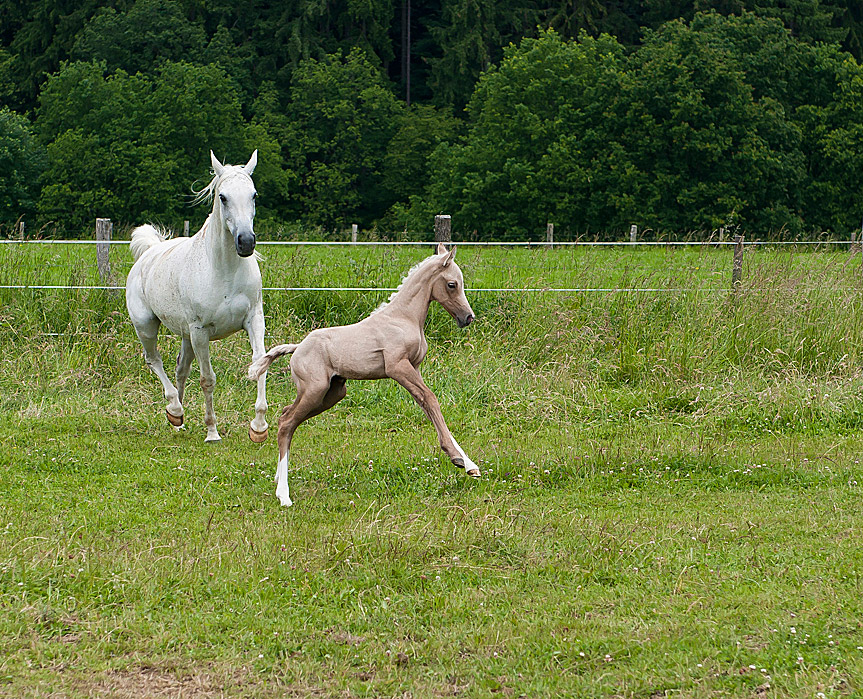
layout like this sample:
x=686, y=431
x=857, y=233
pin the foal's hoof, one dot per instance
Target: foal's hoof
x=175, y=420
x=258, y=437
x=471, y=469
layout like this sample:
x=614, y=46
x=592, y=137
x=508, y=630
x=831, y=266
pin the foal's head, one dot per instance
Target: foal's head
x=448, y=287
x=236, y=195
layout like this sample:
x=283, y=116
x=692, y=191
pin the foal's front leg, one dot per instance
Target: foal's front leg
x=408, y=376
x=258, y=429
x=201, y=344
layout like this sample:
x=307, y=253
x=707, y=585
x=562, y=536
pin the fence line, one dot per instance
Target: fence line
x=529, y=244
x=363, y=289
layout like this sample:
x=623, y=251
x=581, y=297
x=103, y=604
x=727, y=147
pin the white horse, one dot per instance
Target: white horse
x=202, y=288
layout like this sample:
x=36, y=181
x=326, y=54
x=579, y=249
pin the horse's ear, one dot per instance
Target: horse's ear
x=448, y=258
x=249, y=167
x=441, y=249
x=218, y=168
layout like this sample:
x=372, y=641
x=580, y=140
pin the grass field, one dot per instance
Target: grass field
x=669, y=507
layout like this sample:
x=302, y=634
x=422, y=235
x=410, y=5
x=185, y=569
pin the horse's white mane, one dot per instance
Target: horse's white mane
x=413, y=269
x=207, y=193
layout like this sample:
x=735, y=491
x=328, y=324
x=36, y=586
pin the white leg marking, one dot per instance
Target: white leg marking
x=469, y=466
x=282, y=491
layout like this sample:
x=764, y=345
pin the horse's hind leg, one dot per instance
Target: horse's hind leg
x=148, y=331
x=184, y=366
x=201, y=344
x=313, y=398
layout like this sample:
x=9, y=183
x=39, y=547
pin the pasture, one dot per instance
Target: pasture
x=669, y=503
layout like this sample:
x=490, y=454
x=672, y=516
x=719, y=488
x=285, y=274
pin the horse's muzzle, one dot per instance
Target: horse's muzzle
x=245, y=243
x=464, y=322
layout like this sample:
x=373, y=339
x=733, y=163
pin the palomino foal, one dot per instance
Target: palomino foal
x=202, y=288
x=389, y=343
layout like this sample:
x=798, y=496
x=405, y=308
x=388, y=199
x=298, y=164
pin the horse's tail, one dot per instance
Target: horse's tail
x=259, y=366
x=144, y=237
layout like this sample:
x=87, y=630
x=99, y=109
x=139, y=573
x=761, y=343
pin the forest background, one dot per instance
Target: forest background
x=678, y=115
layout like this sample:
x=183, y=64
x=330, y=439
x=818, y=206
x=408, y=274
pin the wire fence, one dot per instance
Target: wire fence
x=738, y=244
x=489, y=244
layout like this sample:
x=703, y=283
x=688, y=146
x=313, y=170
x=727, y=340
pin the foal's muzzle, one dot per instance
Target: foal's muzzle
x=463, y=322
x=245, y=243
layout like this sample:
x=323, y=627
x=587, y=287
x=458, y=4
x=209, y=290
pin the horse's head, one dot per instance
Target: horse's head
x=235, y=194
x=448, y=287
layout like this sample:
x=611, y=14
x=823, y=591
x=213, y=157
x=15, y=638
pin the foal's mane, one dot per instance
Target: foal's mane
x=411, y=271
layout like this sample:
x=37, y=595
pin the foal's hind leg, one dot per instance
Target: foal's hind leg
x=148, y=331
x=313, y=398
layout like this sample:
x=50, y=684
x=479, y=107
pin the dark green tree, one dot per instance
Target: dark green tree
x=127, y=147
x=22, y=162
x=341, y=118
x=537, y=125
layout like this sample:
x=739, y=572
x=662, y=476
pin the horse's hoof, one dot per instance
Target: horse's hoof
x=458, y=462
x=175, y=420
x=258, y=437
x=474, y=473
x=212, y=440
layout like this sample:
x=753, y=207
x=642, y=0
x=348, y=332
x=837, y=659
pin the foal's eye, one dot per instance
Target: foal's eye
x=451, y=285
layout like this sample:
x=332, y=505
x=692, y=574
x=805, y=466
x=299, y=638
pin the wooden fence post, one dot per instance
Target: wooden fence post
x=354, y=232
x=737, y=269
x=103, y=246
x=549, y=234
x=633, y=233
x=185, y=229
x=21, y=230
x=443, y=228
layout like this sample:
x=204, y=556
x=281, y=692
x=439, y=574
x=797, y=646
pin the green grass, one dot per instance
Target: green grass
x=669, y=507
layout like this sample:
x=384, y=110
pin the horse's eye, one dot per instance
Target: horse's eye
x=452, y=285
x=223, y=199
x=255, y=195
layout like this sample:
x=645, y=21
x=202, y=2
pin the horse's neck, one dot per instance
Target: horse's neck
x=414, y=298
x=217, y=242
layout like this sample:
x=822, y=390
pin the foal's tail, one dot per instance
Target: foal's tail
x=259, y=366
x=143, y=238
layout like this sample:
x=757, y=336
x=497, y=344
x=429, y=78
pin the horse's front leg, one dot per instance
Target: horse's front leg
x=201, y=345
x=408, y=376
x=258, y=429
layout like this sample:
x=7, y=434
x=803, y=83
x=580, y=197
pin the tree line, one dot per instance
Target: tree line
x=685, y=115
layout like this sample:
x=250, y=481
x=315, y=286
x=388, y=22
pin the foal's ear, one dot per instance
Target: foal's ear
x=218, y=168
x=449, y=257
x=249, y=167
